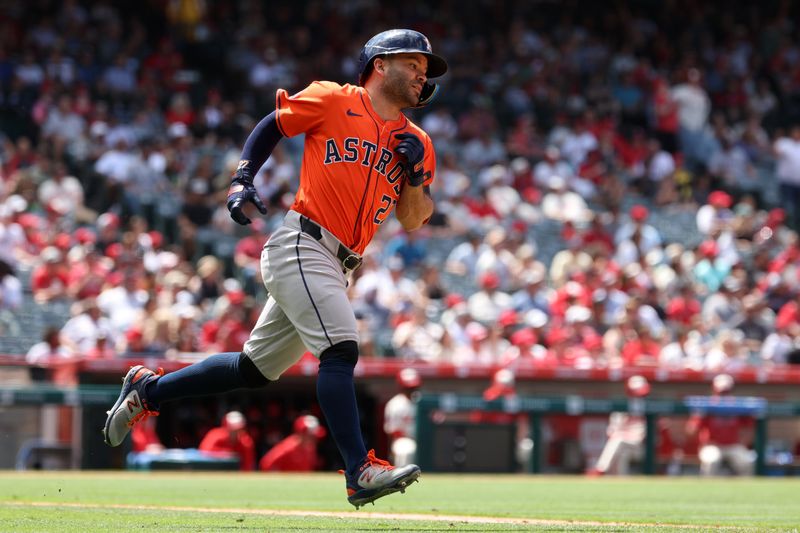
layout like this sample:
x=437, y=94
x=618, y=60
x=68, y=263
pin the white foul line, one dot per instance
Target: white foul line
x=362, y=515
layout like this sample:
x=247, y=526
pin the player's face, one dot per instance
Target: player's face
x=405, y=77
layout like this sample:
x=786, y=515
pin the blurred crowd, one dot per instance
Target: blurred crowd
x=120, y=126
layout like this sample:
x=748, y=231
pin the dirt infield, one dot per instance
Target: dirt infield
x=366, y=515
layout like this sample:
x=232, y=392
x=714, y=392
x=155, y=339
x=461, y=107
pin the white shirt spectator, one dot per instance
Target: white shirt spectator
x=672, y=356
x=787, y=168
x=650, y=236
x=456, y=328
x=64, y=188
x=121, y=76
x=82, y=332
x=720, y=311
x=577, y=145
x=485, y=307
x=776, y=347
x=66, y=125
x=30, y=72
x=495, y=258
x=661, y=165
x=394, y=290
x=649, y=317
x=121, y=133
x=61, y=68
x=728, y=352
x=399, y=417
x=440, y=125
x=10, y=292
x=451, y=181
x=567, y=261
x=418, y=338
x=627, y=252
x=487, y=352
x=12, y=237
x=117, y=165
x=732, y=165
x=544, y=171
x=689, y=354
x=122, y=307
x=41, y=352
x=693, y=106
x=271, y=72
x=762, y=101
x=564, y=205
x=463, y=259
x=460, y=219
x=710, y=219
x=480, y=152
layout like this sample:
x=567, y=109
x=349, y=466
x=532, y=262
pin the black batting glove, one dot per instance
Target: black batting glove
x=242, y=191
x=412, y=152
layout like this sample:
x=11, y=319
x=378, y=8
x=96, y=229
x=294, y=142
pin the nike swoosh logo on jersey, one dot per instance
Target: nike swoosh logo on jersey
x=351, y=113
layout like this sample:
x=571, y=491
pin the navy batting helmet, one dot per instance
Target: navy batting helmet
x=401, y=41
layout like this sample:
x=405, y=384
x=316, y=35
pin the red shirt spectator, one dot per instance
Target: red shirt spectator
x=597, y=236
x=166, y=61
x=49, y=281
x=788, y=315
x=23, y=156
x=594, y=168
x=234, y=334
x=683, y=309
x=247, y=254
x=208, y=334
x=250, y=247
x=231, y=438
x=480, y=207
x=298, y=451
x=642, y=350
x=665, y=107
x=101, y=350
x=88, y=277
x=719, y=430
x=35, y=240
x=144, y=437
x=572, y=293
x=634, y=153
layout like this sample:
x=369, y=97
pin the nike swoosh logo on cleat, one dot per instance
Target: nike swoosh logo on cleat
x=351, y=113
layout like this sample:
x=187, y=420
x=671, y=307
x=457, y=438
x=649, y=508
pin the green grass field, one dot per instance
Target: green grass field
x=140, y=501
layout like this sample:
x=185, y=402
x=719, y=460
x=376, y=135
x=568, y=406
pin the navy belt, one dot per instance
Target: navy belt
x=350, y=261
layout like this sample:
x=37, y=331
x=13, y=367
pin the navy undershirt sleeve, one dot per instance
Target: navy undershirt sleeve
x=261, y=141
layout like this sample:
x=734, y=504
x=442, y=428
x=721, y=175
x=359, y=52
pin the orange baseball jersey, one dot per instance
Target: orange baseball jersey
x=350, y=178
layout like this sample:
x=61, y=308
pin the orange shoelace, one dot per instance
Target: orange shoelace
x=145, y=412
x=141, y=416
x=379, y=462
x=371, y=459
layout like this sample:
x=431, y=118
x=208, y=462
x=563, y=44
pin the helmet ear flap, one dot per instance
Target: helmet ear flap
x=428, y=93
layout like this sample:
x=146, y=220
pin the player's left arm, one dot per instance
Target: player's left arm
x=415, y=205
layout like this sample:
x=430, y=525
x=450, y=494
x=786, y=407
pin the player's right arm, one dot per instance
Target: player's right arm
x=258, y=147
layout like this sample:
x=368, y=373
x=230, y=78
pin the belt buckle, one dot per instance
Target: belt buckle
x=351, y=262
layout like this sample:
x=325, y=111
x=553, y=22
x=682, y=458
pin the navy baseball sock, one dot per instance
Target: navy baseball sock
x=216, y=374
x=337, y=398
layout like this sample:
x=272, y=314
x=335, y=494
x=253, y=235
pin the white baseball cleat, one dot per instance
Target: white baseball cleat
x=131, y=406
x=377, y=478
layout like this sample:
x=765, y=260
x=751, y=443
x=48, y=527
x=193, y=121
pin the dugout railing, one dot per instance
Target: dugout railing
x=542, y=391
x=432, y=410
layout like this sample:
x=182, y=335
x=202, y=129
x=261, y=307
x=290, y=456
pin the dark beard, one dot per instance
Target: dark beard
x=397, y=90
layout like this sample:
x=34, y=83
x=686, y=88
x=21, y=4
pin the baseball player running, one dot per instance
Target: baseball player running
x=362, y=159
